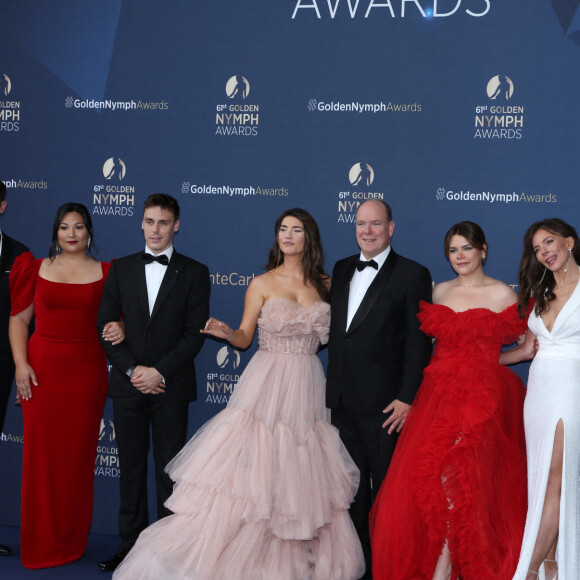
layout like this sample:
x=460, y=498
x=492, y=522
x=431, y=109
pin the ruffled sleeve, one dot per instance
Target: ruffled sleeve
x=23, y=282
x=433, y=318
x=513, y=325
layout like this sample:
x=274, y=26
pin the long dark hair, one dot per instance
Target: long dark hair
x=71, y=207
x=471, y=232
x=535, y=279
x=313, y=257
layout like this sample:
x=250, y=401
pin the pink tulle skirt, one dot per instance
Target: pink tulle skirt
x=262, y=490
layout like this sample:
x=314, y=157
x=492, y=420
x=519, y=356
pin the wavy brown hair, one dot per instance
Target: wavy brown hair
x=313, y=257
x=536, y=280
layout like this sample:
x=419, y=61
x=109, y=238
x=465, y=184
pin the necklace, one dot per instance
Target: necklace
x=474, y=285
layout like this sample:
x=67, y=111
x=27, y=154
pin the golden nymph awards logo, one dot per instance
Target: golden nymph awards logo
x=500, y=119
x=361, y=176
x=220, y=385
x=107, y=460
x=9, y=110
x=237, y=117
x=112, y=198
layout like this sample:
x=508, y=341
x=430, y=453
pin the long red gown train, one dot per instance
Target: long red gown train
x=459, y=472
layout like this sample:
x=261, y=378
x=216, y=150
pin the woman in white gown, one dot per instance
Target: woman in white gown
x=549, y=271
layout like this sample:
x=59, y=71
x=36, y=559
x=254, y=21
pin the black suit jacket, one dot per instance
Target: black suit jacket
x=382, y=355
x=169, y=339
x=11, y=249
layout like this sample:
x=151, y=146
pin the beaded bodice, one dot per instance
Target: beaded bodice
x=286, y=327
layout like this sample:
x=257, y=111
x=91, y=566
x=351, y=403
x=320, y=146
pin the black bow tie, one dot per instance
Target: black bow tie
x=361, y=265
x=162, y=258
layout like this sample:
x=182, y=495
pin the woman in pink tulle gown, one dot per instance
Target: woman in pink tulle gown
x=263, y=489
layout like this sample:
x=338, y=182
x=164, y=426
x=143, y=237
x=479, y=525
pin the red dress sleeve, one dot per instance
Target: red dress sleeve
x=513, y=324
x=23, y=282
x=434, y=318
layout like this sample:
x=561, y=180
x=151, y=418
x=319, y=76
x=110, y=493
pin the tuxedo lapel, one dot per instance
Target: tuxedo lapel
x=169, y=279
x=137, y=278
x=373, y=292
x=342, y=286
x=7, y=249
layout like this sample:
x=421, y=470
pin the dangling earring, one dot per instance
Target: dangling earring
x=58, y=249
x=484, y=259
x=568, y=260
x=545, y=268
x=89, y=244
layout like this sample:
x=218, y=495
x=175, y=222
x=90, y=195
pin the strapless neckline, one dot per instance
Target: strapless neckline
x=285, y=300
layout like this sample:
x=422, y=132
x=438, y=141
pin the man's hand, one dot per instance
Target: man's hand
x=147, y=380
x=399, y=413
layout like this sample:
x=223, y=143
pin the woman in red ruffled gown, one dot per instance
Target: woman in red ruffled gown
x=453, y=503
x=61, y=378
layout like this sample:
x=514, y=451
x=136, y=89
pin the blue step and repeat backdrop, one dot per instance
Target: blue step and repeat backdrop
x=447, y=109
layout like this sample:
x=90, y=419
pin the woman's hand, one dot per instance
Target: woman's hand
x=529, y=345
x=217, y=329
x=242, y=337
x=24, y=375
x=525, y=350
x=114, y=332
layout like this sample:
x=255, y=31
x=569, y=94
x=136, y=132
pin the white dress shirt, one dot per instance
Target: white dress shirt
x=154, y=273
x=360, y=283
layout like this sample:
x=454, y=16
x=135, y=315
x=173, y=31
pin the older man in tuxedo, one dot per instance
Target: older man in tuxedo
x=376, y=353
x=10, y=249
x=163, y=298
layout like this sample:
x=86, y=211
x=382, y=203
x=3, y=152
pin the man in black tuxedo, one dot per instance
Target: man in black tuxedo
x=376, y=352
x=163, y=298
x=9, y=250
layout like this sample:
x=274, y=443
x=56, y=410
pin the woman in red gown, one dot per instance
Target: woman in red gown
x=61, y=378
x=453, y=504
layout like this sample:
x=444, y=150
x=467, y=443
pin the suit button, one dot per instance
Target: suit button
x=347, y=340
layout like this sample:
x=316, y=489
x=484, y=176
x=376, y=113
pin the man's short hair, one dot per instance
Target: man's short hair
x=2, y=191
x=164, y=201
